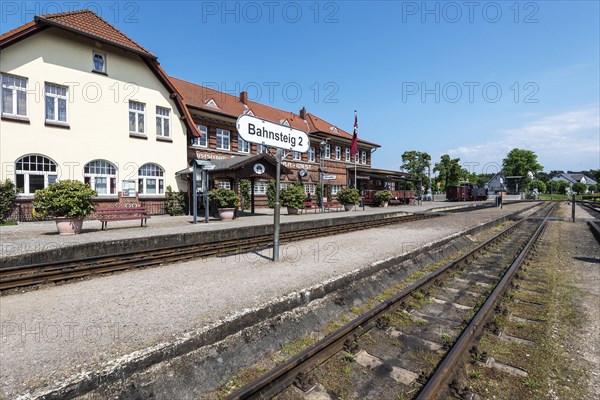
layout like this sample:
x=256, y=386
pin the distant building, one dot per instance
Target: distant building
x=502, y=183
x=574, y=178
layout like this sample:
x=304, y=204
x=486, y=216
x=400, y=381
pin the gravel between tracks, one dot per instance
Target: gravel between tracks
x=56, y=332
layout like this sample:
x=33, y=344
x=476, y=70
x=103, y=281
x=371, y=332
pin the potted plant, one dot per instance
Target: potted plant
x=226, y=201
x=292, y=197
x=68, y=202
x=348, y=197
x=383, y=197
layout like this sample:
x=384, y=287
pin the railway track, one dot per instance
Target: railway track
x=409, y=345
x=28, y=275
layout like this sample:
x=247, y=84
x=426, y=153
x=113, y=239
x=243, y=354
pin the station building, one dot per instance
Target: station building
x=81, y=100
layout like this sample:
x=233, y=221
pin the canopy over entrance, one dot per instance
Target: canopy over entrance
x=376, y=179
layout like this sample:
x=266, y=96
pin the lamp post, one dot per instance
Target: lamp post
x=321, y=166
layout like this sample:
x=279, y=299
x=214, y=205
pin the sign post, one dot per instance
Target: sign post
x=282, y=137
x=203, y=167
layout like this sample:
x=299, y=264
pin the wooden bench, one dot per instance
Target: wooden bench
x=395, y=202
x=310, y=204
x=332, y=204
x=122, y=214
x=367, y=201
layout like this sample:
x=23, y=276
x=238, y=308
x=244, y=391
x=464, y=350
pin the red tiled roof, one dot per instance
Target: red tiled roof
x=198, y=96
x=83, y=22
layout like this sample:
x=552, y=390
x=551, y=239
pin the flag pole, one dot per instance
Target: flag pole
x=356, y=154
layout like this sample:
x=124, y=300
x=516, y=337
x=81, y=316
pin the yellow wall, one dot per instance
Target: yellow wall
x=98, y=109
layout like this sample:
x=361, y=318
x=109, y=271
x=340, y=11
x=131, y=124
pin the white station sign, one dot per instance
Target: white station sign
x=259, y=131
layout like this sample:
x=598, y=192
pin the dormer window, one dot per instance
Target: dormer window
x=99, y=63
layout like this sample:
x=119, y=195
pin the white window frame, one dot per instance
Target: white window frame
x=356, y=157
x=223, y=134
x=297, y=156
x=338, y=153
x=15, y=91
x=243, y=146
x=101, y=170
x=261, y=187
x=363, y=157
x=163, y=117
x=49, y=170
x=261, y=148
x=159, y=178
x=55, y=98
x=137, y=114
x=104, y=67
x=197, y=141
x=223, y=184
x=327, y=153
x=312, y=154
x=335, y=189
x=348, y=156
x=310, y=187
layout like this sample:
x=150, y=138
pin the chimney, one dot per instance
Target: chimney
x=244, y=97
x=303, y=113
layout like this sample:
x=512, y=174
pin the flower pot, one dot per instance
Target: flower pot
x=292, y=211
x=383, y=204
x=226, y=214
x=69, y=226
x=348, y=207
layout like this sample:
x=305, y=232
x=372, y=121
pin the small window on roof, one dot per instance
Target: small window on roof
x=211, y=103
x=99, y=62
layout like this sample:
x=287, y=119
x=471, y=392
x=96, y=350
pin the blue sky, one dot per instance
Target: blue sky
x=472, y=79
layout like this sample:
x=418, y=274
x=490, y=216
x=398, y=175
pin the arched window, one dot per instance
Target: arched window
x=34, y=172
x=101, y=175
x=150, y=179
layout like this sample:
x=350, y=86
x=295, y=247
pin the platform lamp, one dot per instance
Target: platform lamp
x=321, y=172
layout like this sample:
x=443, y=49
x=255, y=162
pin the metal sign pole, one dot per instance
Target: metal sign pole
x=277, y=208
x=573, y=207
x=195, y=190
x=205, y=183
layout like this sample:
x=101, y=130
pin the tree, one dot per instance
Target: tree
x=579, y=187
x=519, y=162
x=562, y=187
x=449, y=171
x=553, y=186
x=595, y=174
x=416, y=163
x=537, y=184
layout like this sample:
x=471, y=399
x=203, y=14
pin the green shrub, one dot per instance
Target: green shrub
x=271, y=193
x=319, y=189
x=348, y=196
x=175, y=202
x=537, y=184
x=245, y=189
x=383, y=195
x=579, y=187
x=292, y=196
x=223, y=198
x=71, y=199
x=7, y=199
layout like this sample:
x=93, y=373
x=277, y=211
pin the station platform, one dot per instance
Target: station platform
x=31, y=237
x=64, y=338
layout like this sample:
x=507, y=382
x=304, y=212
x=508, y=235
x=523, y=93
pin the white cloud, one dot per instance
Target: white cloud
x=569, y=140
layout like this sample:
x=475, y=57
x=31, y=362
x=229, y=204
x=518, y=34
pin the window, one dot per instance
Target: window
x=150, y=179
x=347, y=154
x=311, y=154
x=14, y=96
x=56, y=103
x=338, y=153
x=260, y=187
x=99, y=62
x=327, y=151
x=283, y=185
x=162, y=121
x=356, y=157
x=335, y=189
x=363, y=157
x=223, y=184
x=101, y=176
x=297, y=155
x=222, y=139
x=261, y=148
x=202, y=140
x=243, y=146
x=34, y=172
x=309, y=188
x=136, y=117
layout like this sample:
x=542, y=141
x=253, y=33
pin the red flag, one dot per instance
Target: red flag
x=354, y=145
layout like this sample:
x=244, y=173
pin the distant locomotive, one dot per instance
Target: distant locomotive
x=465, y=192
